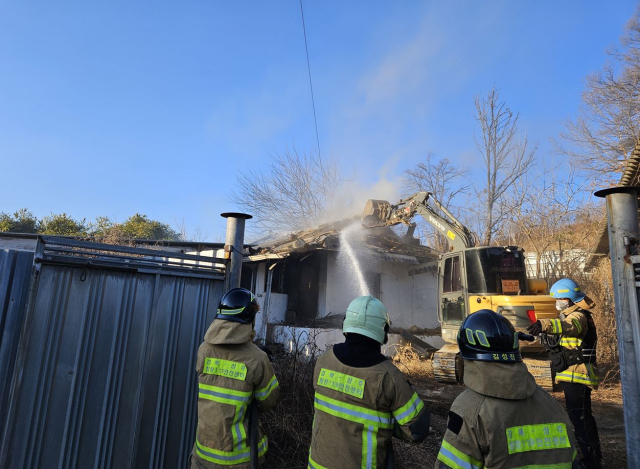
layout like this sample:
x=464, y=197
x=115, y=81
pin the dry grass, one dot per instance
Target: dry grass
x=289, y=424
x=610, y=389
x=413, y=363
x=599, y=287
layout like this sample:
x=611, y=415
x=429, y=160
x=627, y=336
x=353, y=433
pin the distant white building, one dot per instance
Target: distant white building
x=556, y=264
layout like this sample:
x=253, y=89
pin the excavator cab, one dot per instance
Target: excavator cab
x=472, y=278
x=493, y=278
x=481, y=271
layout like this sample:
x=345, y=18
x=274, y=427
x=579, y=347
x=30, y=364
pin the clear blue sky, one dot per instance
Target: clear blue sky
x=112, y=108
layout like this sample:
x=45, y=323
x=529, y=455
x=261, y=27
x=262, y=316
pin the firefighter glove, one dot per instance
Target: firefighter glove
x=535, y=328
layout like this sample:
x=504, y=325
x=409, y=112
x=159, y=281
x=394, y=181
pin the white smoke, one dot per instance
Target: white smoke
x=353, y=194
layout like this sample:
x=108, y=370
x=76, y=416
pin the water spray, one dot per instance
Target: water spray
x=345, y=242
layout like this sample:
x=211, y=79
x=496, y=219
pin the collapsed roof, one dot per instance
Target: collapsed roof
x=383, y=243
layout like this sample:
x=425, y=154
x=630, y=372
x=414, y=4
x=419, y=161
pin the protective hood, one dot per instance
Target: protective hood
x=586, y=303
x=502, y=380
x=222, y=332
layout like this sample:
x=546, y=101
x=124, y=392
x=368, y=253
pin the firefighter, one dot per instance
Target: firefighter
x=503, y=419
x=361, y=398
x=574, y=360
x=233, y=375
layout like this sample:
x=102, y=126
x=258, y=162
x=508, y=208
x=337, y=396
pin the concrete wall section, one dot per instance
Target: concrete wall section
x=408, y=291
x=278, y=308
x=341, y=287
x=261, y=280
x=277, y=303
x=412, y=300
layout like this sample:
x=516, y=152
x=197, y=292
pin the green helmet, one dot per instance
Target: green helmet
x=367, y=316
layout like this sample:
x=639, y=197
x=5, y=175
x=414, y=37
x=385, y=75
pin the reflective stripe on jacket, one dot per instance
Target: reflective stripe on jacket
x=503, y=420
x=232, y=374
x=574, y=329
x=357, y=411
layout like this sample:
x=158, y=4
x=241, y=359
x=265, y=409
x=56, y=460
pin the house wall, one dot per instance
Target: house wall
x=277, y=303
x=411, y=300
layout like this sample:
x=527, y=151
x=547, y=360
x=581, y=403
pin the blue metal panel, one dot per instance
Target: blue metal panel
x=15, y=276
x=107, y=370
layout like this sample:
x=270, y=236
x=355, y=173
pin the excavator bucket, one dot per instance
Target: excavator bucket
x=376, y=213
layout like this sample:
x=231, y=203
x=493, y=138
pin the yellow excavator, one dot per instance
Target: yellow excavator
x=471, y=278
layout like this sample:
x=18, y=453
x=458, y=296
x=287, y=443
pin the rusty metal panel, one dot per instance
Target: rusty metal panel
x=15, y=276
x=106, y=372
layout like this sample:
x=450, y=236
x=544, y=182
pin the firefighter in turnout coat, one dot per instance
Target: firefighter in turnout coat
x=233, y=374
x=574, y=361
x=503, y=419
x=361, y=398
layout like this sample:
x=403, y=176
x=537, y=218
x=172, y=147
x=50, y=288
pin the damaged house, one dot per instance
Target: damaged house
x=304, y=282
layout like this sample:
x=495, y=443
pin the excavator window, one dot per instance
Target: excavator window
x=487, y=268
x=452, y=281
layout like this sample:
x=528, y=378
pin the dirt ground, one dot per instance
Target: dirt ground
x=607, y=409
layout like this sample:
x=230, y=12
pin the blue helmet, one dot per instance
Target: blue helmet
x=567, y=288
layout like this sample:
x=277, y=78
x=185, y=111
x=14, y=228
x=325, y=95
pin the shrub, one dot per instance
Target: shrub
x=289, y=424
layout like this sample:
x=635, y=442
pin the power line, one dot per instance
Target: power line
x=313, y=101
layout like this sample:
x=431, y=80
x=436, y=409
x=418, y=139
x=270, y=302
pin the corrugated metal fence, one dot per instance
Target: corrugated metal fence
x=104, y=368
x=15, y=275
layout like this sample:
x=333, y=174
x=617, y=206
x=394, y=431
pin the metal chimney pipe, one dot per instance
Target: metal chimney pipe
x=233, y=246
x=624, y=233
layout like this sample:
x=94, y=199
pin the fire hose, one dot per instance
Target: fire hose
x=253, y=436
x=254, y=431
x=389, y=462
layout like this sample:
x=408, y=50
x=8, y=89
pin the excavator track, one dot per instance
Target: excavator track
x=444, y=364
x=541, y=371
x=445, y=370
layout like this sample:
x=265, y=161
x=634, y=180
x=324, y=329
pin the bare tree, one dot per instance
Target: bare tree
x=506, y=159
x=545, y=214
x=442, y=179
x=198, y=235
x=603, y=135
x=292, y=193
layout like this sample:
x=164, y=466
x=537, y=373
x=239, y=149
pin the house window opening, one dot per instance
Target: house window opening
x=279, y=281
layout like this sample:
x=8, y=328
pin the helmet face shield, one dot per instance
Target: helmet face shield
x=488, y=336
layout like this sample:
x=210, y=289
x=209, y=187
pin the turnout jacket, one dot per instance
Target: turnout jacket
x=504, y=420
x=232, y=374
x=577, y=329
x=358, y=410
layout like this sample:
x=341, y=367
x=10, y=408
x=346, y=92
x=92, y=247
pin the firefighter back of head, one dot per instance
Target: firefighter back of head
x=367, y=316
x=503, y=419
x=489, y=337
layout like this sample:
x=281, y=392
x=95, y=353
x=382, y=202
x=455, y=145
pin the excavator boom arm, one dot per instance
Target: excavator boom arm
x=382, y=213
